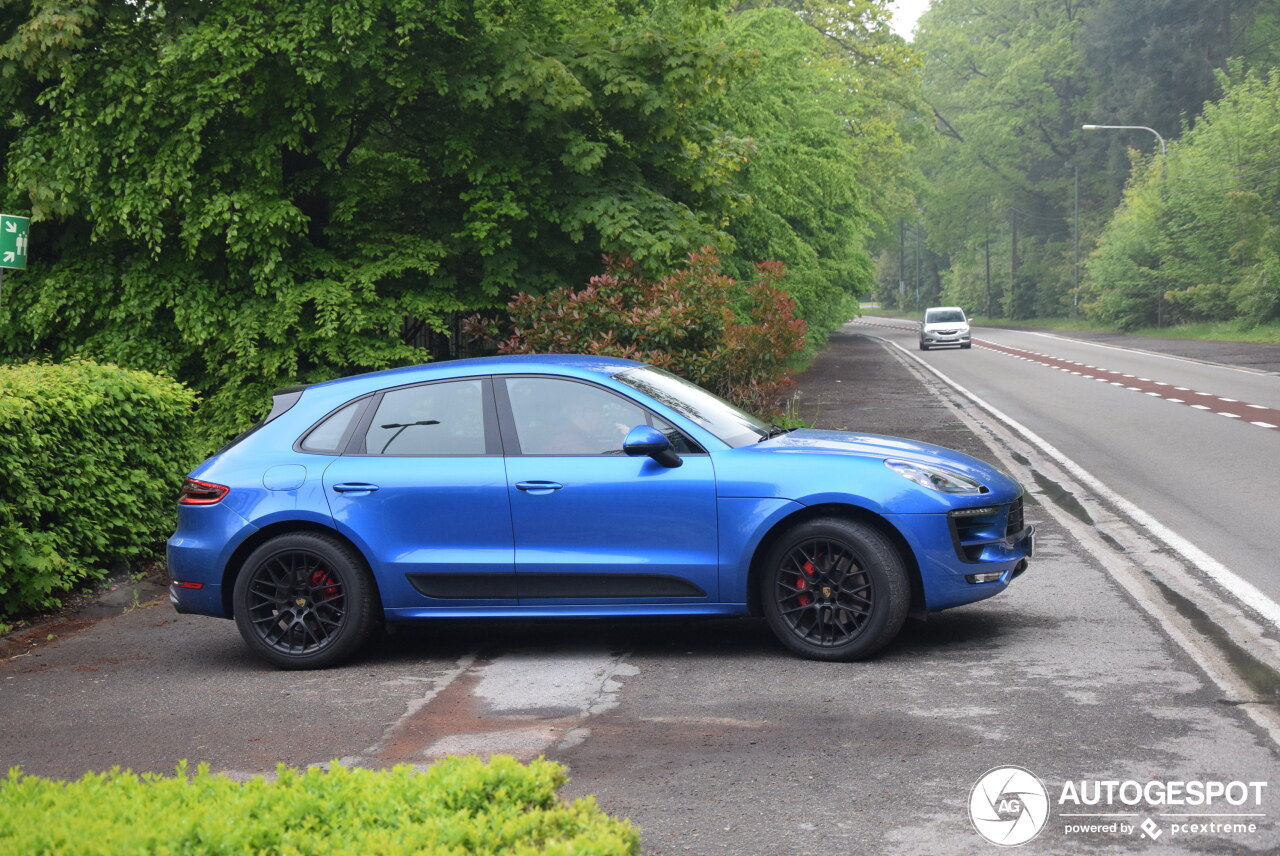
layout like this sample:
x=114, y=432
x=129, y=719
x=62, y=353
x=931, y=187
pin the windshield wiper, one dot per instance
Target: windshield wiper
x=775, y=430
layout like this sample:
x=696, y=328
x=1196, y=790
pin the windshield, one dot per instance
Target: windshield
x=709, y=411
x=944, y=316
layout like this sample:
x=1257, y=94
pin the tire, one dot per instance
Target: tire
x=304, y=601
x=967, y=345
x=923, y=346
x=835, y=590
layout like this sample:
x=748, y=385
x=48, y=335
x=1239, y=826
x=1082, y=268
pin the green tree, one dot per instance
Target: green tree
x=242, y=195
x=1007, y=86
x=1198, y=236
x=824, y=107
x=1010, y=82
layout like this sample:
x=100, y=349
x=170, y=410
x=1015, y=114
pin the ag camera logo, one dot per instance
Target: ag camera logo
x=1009, y=806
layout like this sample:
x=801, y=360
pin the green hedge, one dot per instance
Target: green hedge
x=457, y=806
x=91, y=459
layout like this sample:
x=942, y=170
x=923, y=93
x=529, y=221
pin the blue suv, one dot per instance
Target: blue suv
x=575, y=486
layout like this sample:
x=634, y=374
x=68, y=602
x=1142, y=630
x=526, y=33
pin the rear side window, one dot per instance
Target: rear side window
x=281, y=401
x=327, y=437
x=433, y=419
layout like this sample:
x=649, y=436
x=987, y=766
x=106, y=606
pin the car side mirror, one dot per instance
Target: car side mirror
x=647, y=441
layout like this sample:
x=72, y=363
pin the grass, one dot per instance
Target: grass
x=1226, y=331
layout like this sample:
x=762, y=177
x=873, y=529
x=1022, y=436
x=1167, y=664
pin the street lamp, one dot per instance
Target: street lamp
x=1075, y=234
x=1163, y=149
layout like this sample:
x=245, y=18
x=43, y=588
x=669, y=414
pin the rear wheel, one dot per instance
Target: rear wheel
x=834, y=589
x=304, y=601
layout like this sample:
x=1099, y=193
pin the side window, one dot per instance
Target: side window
x=561, y=417
x=432, y=419
x=326, y=438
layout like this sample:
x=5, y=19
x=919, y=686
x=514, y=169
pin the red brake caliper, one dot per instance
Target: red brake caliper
x=802, y=584
x=323, y=580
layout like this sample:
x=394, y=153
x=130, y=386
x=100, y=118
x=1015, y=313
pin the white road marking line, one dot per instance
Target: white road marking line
x=1242, y=589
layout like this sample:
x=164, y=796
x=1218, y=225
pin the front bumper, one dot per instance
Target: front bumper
x=954, y=574
x=945, y=338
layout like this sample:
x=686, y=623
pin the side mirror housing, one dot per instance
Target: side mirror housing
x=648, y=442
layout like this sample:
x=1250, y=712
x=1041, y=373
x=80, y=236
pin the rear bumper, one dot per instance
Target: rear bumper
x=197, y=555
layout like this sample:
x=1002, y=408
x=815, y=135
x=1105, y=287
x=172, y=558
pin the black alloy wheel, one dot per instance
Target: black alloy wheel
x=835, y=589
x=304, y=601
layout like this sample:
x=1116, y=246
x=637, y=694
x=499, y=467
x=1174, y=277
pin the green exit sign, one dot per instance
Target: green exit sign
x=13, y=240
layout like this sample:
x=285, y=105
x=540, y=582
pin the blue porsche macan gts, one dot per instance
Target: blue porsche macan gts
x=574, y=486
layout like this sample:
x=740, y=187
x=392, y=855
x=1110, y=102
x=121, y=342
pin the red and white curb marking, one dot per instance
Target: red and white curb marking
x=1253, y=414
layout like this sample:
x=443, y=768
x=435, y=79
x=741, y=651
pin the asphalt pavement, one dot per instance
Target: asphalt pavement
x=706, y=734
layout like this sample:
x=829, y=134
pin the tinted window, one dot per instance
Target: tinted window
x=433, y=419
x=716, y=415
x=326, y=438
x=562, y=417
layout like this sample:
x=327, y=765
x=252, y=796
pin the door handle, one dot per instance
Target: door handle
x=355, y=487
x=538, y=487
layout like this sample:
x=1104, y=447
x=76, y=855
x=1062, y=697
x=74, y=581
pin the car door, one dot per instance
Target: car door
x=594, y=527
x=422, y=490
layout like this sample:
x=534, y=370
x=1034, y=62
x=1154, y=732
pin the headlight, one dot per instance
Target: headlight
x=935, y=478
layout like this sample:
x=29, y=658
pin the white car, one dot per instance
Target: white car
x=944, y=325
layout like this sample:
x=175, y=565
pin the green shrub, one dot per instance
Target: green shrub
x=457, y=806
x=735, y=340
x=91, y=458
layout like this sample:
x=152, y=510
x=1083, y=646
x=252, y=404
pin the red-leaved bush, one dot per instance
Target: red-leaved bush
x=733, y=338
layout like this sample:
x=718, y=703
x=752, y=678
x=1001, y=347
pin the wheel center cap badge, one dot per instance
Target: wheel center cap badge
x=301, y=602
x=826, y=591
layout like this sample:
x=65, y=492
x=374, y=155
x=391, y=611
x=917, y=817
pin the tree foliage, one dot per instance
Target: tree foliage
x=736, y=339
x=1198, y=236
x=1011, y=82
x=824, y=108
x=241, y=194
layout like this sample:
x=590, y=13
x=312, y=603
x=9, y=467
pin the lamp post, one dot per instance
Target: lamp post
x=1163, y=149
x=1075, y=234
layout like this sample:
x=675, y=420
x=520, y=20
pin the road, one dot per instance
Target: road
x=708, y=735
x=1194, y=444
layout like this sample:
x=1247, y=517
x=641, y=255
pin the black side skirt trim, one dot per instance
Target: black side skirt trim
x=549, y=586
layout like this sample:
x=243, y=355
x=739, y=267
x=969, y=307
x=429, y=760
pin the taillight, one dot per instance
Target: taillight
x=196, y=492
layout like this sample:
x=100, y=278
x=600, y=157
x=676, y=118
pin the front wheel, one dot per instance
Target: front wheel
x=304, y=601
x=834, y=589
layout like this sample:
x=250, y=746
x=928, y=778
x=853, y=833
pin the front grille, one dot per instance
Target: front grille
x=1016, y=523
x=978, y=532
